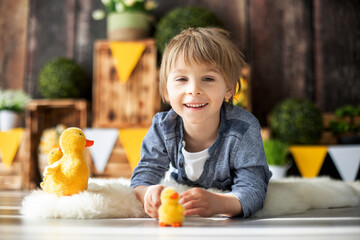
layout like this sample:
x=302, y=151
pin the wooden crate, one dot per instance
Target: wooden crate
x=130, y=104
x=43, y=114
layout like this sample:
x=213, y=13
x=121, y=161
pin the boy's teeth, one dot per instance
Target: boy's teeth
x=195, y=105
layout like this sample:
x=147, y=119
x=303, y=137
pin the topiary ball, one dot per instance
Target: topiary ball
x=181, y=18
x=63, y=78
x=297, y=121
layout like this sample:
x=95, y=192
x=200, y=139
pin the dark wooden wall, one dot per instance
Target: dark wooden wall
x=296, y=48
x=13, y=27
x=281, y=53
x=306, y=49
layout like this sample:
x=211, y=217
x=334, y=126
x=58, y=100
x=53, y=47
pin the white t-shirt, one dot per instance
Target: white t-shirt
x=194, y=162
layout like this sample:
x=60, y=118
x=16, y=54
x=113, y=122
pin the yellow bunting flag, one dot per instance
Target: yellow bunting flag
x=126, y=56
x=9, y=144
x=131, y=139
x=309, y=159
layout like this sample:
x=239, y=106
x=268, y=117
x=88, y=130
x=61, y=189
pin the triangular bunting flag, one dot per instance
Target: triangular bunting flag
x=131, y=139
x=309, y=159
x=104, y=141
x=346, y=160
x=9, y=144
x=126, y=56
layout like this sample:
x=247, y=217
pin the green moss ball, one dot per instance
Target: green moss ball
x=181, y=18
x=297, y=121
x=63, y=78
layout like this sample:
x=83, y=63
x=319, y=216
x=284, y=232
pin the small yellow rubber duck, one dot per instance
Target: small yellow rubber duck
x=171, y=213
x=68, y=173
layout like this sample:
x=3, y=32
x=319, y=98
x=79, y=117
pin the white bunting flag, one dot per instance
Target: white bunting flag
x=104, y=141
x=346, y=160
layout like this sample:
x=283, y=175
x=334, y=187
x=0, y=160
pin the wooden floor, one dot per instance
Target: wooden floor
x=340, y=223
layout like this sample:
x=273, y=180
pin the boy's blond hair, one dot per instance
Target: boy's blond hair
x=205, y=46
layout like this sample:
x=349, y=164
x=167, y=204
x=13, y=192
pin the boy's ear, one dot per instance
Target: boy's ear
x=229, y=93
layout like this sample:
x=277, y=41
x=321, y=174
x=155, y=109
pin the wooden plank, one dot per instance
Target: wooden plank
x=337, y=53
x=12, y=182
x=281, y=50
x=130, y=104
x=13, y=25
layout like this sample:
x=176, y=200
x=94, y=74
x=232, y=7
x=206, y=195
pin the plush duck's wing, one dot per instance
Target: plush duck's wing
x=51, y=170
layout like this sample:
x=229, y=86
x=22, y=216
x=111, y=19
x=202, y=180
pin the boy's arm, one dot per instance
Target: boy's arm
x=154, y=159
x=198, y=201
x=251, y=172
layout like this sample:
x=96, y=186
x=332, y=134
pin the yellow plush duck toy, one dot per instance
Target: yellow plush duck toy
x=171, y=213
x=68, y=173
x=54, y=155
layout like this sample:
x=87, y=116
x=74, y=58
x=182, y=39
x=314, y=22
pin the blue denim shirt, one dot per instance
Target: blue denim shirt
x=237, y=161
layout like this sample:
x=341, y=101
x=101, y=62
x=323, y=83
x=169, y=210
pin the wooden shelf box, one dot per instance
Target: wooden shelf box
x=43, y=114
x=123, y=105
x=129, y=104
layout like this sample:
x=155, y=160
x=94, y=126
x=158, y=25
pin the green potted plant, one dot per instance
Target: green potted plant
x=277, y=157
x=63, y=78
x=126, y=19
x=181, y=18
x=12, y=106
x=345, y=127
x=299, y=123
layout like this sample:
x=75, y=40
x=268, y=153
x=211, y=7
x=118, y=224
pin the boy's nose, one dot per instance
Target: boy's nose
x=193, y=89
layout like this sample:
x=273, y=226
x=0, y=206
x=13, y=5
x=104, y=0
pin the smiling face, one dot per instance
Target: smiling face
x=196, y=92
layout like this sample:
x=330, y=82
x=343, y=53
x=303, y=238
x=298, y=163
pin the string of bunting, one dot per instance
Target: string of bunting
x=105, y=140
x=9, y=144
x=309, y=159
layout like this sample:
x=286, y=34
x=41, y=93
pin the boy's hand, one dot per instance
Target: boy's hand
x=198, y=201
x=150, y=197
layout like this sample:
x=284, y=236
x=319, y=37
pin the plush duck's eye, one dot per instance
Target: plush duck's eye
x=80, y=134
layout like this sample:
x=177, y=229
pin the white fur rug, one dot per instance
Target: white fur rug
x=113, y=198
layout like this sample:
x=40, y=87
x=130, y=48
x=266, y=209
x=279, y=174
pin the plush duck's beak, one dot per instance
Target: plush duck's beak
x=174, y=195
x=89, y=143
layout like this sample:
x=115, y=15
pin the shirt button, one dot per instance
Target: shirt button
x=181, y=164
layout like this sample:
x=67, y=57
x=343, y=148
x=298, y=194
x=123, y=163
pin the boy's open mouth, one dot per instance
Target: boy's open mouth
x=195, y=105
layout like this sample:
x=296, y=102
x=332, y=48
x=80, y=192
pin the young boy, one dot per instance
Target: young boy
x=209, y=142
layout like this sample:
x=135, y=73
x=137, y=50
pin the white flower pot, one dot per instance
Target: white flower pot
x=127, y=26
x=9, y=120
x=278, y=172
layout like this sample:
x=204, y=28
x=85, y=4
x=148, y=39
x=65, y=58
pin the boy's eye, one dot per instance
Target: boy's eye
x=180, y=79
x=208, y=79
